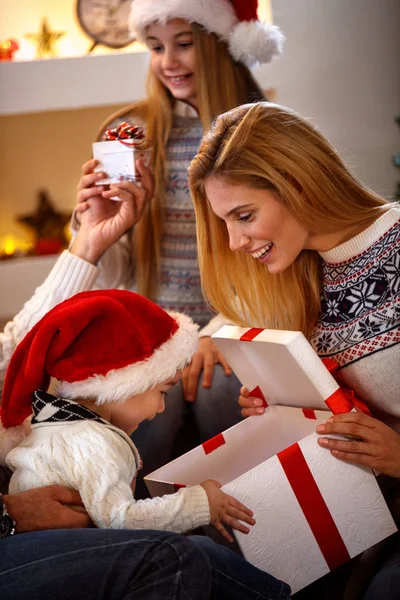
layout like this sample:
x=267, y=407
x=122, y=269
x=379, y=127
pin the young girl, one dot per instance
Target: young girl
x=298, y=243
x=199, y=67
x=114, y=356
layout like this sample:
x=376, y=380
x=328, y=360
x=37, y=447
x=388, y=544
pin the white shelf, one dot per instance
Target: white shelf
x=70, y=83
x=19, y=277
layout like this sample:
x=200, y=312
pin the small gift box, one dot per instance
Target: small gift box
x=119, y=152
x=313, y=512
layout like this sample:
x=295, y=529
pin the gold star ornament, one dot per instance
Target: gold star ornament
x=45, y=40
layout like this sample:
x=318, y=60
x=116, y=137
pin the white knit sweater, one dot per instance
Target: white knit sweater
x=100, y=461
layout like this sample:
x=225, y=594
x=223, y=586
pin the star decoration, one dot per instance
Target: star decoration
x=45, y=40
x=47, y=223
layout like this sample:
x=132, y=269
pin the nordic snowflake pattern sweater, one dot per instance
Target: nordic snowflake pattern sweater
x=359, y=326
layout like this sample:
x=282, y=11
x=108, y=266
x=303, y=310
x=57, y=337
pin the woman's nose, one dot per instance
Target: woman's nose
x=237, y=240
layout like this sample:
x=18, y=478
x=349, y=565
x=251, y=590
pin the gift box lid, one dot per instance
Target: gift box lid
x=280, y=367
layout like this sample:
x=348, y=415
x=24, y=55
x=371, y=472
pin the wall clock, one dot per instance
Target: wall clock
x=106, y=22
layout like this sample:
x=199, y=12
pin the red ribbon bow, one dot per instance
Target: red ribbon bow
x=123, y=132
x=332, y=367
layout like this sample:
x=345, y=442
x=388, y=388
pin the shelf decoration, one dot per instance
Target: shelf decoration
x=45, y=40
x=48, y=225
x=7, y=49
x=14, y=247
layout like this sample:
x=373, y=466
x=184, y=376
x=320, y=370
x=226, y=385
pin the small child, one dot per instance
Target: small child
x=113, y=355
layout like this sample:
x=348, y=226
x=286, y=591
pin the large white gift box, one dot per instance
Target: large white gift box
x=313, y=512
x=118, y=160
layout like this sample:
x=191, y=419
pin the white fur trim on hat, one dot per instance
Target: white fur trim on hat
x=11, y=437
x=253, y=42
x=216, y=16
x=250, y=42
x=120, y=384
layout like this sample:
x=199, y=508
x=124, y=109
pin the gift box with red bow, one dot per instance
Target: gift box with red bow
x=313, y=512
x=119, y=152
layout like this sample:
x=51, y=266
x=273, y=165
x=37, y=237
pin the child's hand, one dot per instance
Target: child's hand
x=225, y=509
x=250, y=406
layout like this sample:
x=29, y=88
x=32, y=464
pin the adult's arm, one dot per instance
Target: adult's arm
x=46, y=508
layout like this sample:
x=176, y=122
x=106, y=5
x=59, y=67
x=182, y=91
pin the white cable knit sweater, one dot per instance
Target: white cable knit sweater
x=100, y=461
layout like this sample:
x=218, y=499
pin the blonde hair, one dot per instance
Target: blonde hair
x=215, y=94
x=266, y=146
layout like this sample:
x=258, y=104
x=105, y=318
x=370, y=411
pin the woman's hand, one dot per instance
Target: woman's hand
x=225, y=509
x=102, y=220
x=50, y=507
x=376, y=445
x=251, y=406
x=204, y=359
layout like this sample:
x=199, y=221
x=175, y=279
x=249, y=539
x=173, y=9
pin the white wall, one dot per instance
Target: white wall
x=341, y=67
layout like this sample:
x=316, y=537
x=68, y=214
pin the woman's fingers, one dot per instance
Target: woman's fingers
x=251, y=406
x=147, y=177
x=353, y=446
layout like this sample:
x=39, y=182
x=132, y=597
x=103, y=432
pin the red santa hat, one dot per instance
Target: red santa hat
x=235, y=21
x=108, y=345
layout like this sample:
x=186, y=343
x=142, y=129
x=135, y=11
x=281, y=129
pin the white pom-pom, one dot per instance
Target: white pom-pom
x=253, y=42
x=11, y=438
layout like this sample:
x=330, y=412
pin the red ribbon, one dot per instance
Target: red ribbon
x=214, y=443
x=123, y=132
x=313, y=506
x=344, y=399
x=251, y=334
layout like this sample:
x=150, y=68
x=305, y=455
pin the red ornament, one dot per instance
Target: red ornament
x=7, y=49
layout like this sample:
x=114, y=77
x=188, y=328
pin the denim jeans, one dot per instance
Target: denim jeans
x=94, y=564
x=183, y=425
x=233, y=578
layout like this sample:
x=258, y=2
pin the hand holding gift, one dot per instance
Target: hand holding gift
x=373, y=443
x=117, y=155
x=101, y=221
x=225, y=509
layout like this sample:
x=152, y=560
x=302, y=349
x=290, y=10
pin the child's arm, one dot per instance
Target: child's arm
x=100, y=465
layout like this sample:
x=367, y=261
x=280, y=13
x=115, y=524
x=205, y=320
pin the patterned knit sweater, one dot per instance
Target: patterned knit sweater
x=359, y=326
x=179, y=287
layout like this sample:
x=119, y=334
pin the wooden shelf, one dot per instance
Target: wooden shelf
x=71, y=83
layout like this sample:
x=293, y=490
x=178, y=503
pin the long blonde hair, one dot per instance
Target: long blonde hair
x=270, y=147
x=222, y=84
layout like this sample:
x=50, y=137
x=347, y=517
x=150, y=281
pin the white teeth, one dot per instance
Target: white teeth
x=261, y=252
x=177, y=79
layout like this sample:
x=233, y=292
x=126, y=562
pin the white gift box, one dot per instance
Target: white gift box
x=117, y=160
x=313, y=512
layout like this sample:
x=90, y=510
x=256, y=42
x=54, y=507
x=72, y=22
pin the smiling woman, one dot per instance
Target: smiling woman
x=299, y=243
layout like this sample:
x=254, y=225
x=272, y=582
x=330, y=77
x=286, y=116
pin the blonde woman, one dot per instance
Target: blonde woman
x=299, y=243
x=200, y=57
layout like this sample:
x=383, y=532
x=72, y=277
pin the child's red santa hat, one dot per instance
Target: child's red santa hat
x=234, y=21
x=108, y=345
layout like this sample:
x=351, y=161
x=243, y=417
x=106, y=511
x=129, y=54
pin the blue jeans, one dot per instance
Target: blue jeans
x=183, y=425
x=94, y=564
x=233, y=578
